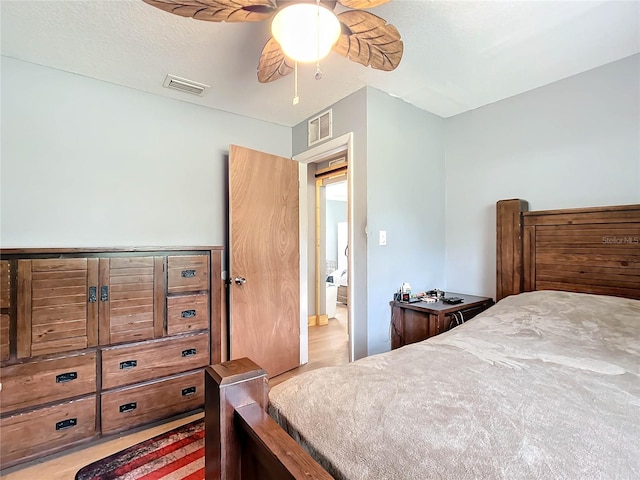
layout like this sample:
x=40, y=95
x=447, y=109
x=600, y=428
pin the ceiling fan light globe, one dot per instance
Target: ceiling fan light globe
x=306, y=32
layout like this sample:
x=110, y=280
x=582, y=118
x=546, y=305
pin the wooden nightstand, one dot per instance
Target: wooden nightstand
x=414, y=322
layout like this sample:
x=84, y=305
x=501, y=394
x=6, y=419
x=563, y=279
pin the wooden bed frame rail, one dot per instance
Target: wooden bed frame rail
x=590, y=250
x=241, y=440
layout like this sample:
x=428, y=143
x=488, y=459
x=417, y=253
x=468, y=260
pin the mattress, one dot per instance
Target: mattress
x=543, y=385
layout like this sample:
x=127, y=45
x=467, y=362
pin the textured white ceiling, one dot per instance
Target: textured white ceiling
x=457, y=55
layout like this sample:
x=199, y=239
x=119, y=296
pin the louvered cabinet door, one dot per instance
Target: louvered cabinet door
x=129, y=290
x=5, y=307
x=57, y=305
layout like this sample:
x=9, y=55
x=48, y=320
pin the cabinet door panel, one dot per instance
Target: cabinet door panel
x=4, y=337
x=127, y=313
x=55, y=313
x=5, y=298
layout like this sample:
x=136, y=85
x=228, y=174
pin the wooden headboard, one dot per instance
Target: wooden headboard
x=587, y=250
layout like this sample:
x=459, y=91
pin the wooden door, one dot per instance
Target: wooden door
x=57, y=305
x=129, y=287
x=5, y=308
x=264, y=249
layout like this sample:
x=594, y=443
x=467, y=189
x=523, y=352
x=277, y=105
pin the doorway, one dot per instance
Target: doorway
x=329, y=320
x=309, y=164
x=335, y=245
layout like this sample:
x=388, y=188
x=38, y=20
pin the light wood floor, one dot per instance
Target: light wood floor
x=328, y=345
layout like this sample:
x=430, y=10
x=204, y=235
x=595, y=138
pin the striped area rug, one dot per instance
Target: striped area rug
x=174, y=455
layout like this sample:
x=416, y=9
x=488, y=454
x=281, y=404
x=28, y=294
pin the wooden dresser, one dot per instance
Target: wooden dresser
x=97, y=341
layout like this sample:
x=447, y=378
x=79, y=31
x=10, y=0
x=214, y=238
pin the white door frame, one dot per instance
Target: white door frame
x=305, y=158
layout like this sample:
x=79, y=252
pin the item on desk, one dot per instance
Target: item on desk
x=429, y=299
x=452, y=300
x=435, y=293
x=406, y=291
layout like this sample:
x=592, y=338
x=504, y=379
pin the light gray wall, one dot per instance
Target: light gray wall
x=349, y=116
x=398, y=160
x=405, y=197
x=336, y=213
x=574, y=143
x=89, y=163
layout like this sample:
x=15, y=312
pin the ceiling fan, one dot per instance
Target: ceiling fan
x=361, y=37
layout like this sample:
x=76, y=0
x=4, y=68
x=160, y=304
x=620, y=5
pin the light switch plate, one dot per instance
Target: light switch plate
x=383, y=237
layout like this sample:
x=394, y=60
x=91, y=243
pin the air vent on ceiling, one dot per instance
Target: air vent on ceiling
x=320, y=127
x=184, y=85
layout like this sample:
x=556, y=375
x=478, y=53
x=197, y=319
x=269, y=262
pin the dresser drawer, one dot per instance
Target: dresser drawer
x=188, y=273
x=31, y=384
x=187, y=313
x=135, y=405
x=47, y=430
x=154, y=359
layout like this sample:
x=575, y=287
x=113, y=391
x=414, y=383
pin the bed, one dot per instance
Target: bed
x=339, y=279
x=545, y=384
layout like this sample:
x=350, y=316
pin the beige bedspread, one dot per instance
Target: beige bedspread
x=543, y=385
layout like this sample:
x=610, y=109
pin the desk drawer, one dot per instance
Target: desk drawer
x=187, y=313
x=47, y=430
x=31, y=384
x=188, y=273
x=154, y=359
x=136, y=405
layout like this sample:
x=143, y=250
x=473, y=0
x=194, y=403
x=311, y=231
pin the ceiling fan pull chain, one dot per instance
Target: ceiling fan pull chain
x=296, y=98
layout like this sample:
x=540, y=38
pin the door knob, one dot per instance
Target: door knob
x=240, y=280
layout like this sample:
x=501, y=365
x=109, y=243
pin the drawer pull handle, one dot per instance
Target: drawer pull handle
x=64, y=424
x=128, y=407
x=66, y=377
x=104, y=293
x=127, y=364
x=188, y=313
x=93, y=294
x=189, y=352
x=188, y=273
x=188, y=391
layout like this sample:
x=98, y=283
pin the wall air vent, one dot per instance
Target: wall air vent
x=184, y=85
x=320, y=128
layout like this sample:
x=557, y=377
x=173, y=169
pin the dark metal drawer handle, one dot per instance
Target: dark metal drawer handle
x=188, y=273
x=104, y=293
x=189, y=352
x=66, y=377
x=188, y=313
x=188, y=391
x=128, y=364
x=64, y=424
x=128, y=407
x=93, y=294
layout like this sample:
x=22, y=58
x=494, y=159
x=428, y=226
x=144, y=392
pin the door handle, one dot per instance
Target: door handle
x=240, y=280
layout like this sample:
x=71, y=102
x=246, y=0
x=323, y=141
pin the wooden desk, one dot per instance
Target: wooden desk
x=414, y=322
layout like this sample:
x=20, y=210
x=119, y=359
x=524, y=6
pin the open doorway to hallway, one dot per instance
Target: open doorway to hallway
x=330, y=324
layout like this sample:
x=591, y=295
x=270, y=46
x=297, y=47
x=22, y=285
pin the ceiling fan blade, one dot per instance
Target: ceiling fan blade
x=273, y=63
x=361, y=4
x=218, y=10
x=369, y=40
